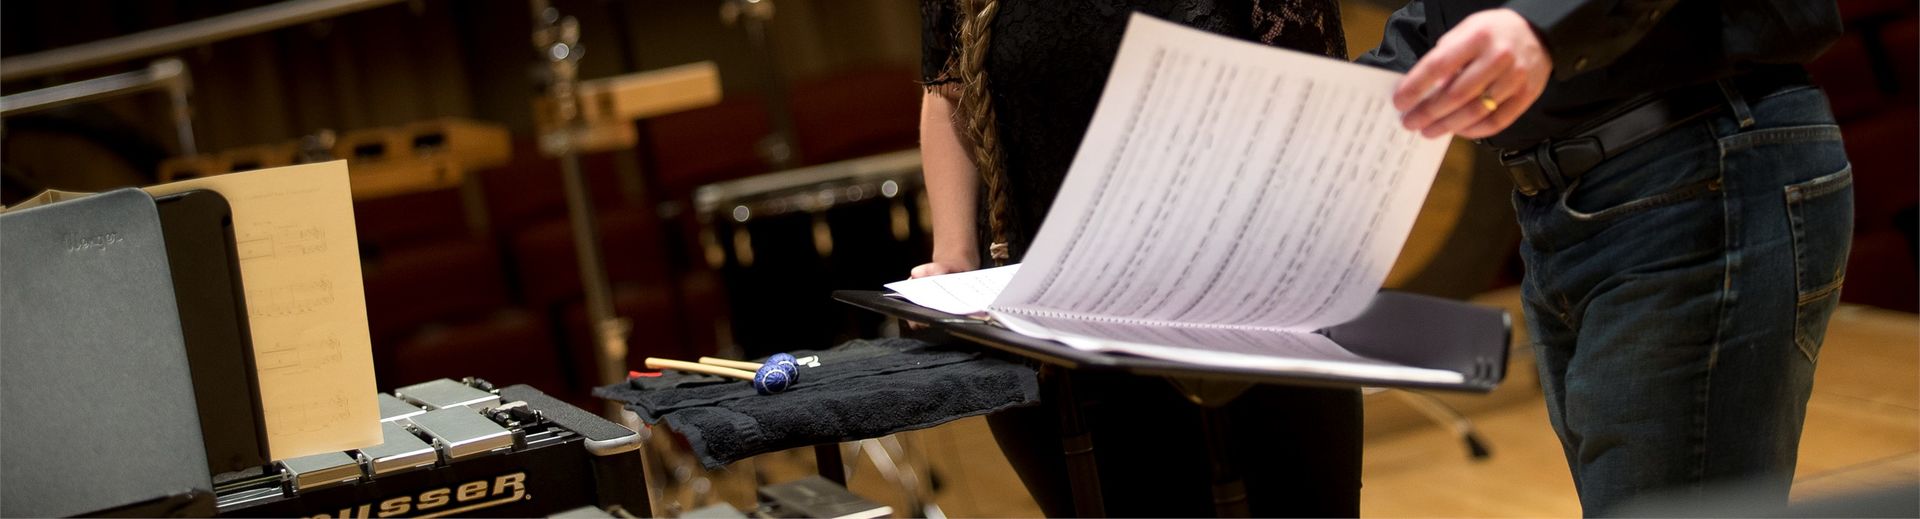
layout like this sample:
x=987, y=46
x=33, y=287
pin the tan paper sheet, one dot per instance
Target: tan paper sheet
x=300, y=264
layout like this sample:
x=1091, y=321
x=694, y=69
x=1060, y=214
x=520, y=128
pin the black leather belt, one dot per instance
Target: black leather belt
x=1536, y=168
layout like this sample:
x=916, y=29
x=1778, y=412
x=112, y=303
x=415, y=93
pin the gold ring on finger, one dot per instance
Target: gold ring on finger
x=1486, y=101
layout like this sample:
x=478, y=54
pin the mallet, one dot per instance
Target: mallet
x=768, y=379
x=783, y=361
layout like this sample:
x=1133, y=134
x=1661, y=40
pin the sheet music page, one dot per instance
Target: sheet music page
x=1228, y=183
x=300, y=268
x=959, y=293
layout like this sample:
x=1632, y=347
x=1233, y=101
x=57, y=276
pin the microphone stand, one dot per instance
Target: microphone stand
x=557, y=39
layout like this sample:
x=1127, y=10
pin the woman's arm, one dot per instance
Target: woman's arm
x=952, y=189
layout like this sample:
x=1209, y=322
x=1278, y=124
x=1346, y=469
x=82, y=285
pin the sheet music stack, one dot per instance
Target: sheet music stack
x=1229, y=200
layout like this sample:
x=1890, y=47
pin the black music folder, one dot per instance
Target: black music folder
x=1399, y=328
x=198, y=226
x=95, y=388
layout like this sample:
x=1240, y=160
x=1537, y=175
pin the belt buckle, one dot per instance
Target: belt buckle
x=1524, y=168
x=1575, y=157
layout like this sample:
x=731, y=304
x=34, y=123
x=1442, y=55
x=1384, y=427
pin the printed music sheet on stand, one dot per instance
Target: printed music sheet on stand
x=300, y=266
x=1228, y=200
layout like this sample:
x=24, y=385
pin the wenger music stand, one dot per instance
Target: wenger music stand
x=1408, y=329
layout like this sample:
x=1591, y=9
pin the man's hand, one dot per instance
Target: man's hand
x=1477, y=79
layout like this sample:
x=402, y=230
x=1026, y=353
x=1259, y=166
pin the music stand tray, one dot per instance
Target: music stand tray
x=1408, y=329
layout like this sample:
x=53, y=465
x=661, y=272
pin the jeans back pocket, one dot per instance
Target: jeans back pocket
x=1821, y=216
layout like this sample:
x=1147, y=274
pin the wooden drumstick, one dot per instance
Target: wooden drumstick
x=658, y=363
x=713, y=361
x=767, y=380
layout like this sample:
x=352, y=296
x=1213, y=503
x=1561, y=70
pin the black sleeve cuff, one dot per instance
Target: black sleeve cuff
x=1585, y=35
x=1404, y=41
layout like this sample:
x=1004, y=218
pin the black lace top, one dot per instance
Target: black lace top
x=1049, y=60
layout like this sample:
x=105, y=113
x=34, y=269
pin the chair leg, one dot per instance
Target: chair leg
x=1449, y=417
x=896, y=465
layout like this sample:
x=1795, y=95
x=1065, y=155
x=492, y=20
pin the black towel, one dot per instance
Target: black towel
x=858, y=390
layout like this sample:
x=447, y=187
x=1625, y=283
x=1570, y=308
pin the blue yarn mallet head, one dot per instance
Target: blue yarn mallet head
x=786, y=362
x=784, y=359
x=771, y=379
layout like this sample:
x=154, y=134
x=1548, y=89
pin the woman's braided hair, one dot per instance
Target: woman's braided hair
x=982, y=131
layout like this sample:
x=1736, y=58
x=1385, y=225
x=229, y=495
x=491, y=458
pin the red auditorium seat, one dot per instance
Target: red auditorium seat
x=706, y=145
x=1855, y=10
x=401, y=221
x=1881, y=128
x=529, y=190
x=409, y=288
x=1845, y=72
x=856, y=113
x=548, y=269
x=660, y=327
x=656, y=331
x=509, y=346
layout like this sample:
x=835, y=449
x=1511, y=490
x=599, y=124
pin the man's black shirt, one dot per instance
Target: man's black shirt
x=1610, y=52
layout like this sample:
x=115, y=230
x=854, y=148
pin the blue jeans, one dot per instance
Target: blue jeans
x=1677, y=296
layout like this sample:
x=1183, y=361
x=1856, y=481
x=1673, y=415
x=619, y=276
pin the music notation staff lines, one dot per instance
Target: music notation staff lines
x=1227, y=200
x=1294, y=168
x=294, y=299
x=298, y=356
x=267, y=240
x=308, y=415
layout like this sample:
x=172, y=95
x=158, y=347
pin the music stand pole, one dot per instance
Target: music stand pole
x=557, y=38
x=778, y=148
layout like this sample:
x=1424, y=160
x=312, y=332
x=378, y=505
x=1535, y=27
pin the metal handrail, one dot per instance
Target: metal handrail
x=176, y=37
x=166, y=73
x=810, y=188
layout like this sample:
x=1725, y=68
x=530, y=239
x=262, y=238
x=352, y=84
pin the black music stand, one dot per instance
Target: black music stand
x=1407, y=329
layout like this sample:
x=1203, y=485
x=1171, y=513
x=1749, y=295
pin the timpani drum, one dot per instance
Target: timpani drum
x=784, y=241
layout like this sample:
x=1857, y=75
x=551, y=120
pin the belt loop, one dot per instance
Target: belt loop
x=1737, y=102
x=1549, y=169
